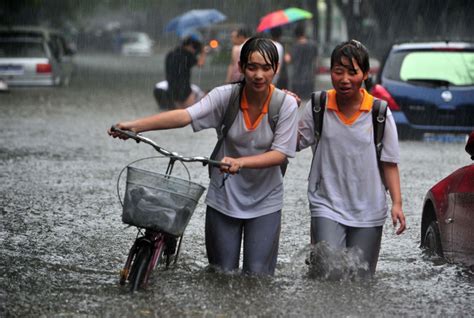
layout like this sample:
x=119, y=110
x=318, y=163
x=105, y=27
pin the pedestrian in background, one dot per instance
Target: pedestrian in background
x=303, y=57
x=346, y=193
x=178, y=65
x=238, y=38
x=281, y=78
x=246, y=207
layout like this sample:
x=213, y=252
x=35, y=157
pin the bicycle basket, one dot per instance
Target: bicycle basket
x=159, y=202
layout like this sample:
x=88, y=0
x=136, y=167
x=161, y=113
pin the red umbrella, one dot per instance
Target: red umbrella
x=282, y=17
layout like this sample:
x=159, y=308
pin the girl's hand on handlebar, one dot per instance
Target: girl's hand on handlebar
x=234, y=165
x=122, y=126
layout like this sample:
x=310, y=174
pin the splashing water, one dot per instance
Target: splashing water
x=328, y=263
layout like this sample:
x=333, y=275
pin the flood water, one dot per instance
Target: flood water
x=63, y=242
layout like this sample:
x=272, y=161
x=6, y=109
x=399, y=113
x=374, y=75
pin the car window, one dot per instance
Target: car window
x=130, y=38
x=21, y=49
x=453, y=67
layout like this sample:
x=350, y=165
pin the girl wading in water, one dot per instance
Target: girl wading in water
x=346, y=194
x=246, y=207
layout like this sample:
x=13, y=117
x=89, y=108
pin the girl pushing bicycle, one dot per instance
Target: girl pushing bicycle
x=244, y=208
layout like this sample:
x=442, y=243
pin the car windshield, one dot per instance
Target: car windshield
x=438, y=67
x=21, y=49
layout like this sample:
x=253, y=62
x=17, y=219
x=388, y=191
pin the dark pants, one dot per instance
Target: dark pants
x=163, y=99
x=367, y=239
x=260, y=236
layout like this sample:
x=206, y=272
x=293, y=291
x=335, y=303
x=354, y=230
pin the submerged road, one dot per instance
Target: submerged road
x=63, y=242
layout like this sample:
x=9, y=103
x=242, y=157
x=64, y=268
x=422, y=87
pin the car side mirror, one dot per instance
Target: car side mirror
x=470, y=145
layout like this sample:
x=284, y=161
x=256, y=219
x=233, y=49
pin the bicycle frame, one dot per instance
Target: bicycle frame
x=158, y=241
x=155, y=240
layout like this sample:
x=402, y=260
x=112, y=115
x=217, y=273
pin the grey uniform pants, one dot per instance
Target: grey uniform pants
x=337, y=235
x=260, y=237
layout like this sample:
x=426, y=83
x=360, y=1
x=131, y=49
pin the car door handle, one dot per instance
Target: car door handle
x=449, y=220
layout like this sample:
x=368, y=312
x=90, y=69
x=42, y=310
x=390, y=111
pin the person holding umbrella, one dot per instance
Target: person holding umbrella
x=245, y=199
x=302, y=54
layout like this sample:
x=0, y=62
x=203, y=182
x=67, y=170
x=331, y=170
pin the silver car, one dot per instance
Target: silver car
x=136, y=44
x=34, y=57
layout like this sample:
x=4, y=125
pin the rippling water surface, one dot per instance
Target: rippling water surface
x=63, y=243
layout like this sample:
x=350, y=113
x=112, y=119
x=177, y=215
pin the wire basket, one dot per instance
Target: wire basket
x=159, y=202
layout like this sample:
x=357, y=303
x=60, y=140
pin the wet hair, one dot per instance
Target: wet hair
x=193, y=42
x=352, y=49
x=263, y=46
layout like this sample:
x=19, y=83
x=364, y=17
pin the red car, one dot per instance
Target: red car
x=447, y=227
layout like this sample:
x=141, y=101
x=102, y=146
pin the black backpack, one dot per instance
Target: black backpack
x=379, y=114
x=233, y=109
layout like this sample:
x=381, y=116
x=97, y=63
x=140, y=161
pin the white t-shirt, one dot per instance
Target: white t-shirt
x=252, y=192
x=344, y=183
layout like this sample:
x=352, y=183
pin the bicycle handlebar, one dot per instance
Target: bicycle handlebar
x=165, y=152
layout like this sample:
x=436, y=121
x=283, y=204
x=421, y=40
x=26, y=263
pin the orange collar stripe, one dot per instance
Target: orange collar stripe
x=244, y=106
x=365, y=106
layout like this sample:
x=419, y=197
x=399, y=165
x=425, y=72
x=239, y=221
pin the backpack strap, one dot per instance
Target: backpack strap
x=318, y=106
x=277, y=100
x=379, y=115
x=230, y=114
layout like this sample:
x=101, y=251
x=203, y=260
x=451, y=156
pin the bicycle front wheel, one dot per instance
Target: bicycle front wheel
x=139, y=267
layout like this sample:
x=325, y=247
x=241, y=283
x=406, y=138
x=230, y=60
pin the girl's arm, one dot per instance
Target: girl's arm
x=305, y=136
x=265, y=160
x=392, y=180
x=166, y=120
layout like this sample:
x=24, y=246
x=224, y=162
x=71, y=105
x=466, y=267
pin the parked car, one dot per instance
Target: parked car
x=34, y=56
x=429, y=87
x=137, y=44
x=447, y=227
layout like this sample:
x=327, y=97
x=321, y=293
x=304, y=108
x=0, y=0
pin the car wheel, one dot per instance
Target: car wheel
x=432, y=240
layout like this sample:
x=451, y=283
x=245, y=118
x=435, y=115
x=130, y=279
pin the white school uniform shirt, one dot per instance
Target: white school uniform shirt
x=344, y=183
x=252, y=192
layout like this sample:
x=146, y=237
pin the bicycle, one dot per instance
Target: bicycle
x=160, y=206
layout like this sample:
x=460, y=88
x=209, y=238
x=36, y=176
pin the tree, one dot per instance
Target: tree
x=378, y=23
